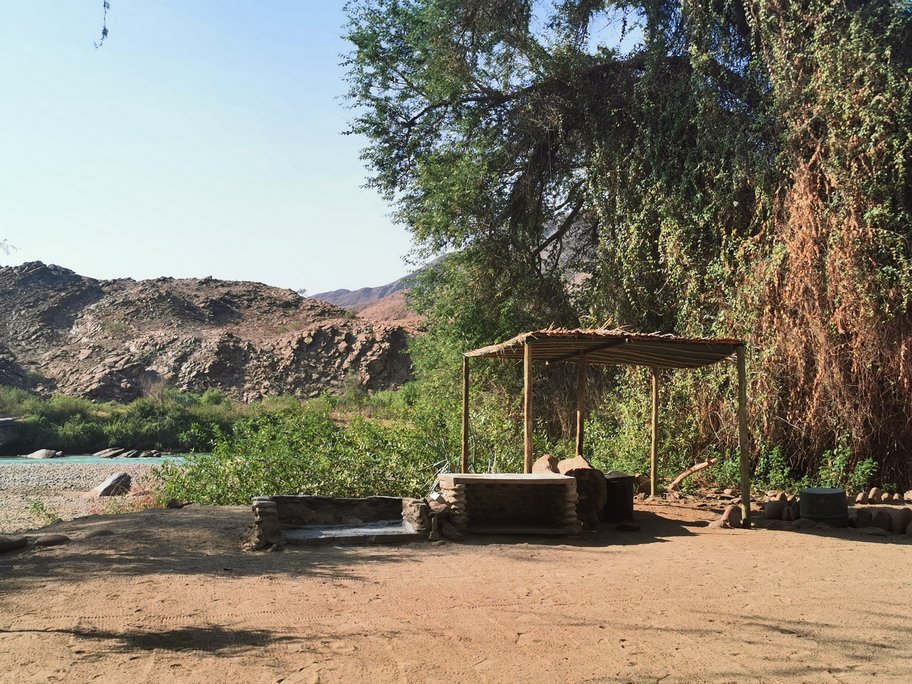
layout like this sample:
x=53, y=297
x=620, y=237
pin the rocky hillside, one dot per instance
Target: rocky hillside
x=115, y=339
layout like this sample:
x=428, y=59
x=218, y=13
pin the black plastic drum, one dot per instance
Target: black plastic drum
x=826, y=505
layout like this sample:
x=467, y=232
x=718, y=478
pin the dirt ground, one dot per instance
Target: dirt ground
x=169, y=596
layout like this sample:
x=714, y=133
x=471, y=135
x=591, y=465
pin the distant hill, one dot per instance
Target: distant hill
x=384, y=304
x=356, y=300
x=112, y=339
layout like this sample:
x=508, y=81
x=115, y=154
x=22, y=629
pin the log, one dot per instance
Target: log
x=690, y=471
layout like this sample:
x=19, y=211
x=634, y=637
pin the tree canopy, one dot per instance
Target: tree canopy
x=706, y=168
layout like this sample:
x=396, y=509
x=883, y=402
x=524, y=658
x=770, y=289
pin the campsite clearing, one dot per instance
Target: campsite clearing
x=169, y=596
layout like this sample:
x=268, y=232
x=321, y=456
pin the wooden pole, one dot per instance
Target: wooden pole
x=464, y=461
x=743, y=438
x=581, y=404
x=654, y=448
x=527, y=407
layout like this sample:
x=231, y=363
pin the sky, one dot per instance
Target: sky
x=204, y=138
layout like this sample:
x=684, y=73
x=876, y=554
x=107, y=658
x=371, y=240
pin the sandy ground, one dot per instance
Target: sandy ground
x=169, y=596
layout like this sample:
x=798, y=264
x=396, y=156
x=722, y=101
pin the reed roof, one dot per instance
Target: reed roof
x=614, y=347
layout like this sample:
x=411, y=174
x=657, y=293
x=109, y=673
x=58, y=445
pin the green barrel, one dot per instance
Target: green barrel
x=826, y=505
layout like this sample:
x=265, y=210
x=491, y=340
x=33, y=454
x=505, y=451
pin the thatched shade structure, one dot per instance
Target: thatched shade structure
x=614, y=347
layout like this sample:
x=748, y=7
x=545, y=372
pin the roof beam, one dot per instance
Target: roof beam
x=588, y=350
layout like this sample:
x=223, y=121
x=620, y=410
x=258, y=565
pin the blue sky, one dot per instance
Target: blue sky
x=203, y=138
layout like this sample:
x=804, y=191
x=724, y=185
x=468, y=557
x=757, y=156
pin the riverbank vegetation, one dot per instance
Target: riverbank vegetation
x=171, y=420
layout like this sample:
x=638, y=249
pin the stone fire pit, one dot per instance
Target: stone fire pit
x=304, y=519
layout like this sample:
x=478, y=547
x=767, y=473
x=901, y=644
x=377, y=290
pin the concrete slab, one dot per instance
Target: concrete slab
x=366, y=533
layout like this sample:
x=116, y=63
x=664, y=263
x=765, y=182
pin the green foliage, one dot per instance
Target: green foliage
x=299, y=451
x=773, y=472
x=840, y=468
x=175, y=420
x=41, y=512
x=738, y=172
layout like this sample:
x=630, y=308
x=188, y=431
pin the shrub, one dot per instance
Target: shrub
x=298, y=451
x=81, y=435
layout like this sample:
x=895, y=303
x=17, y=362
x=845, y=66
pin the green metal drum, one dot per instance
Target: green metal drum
x=826, y=505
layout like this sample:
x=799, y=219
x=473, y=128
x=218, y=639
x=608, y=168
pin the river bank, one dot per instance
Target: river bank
x=34, y=493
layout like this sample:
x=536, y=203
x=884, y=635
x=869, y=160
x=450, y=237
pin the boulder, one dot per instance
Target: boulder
x=863, y=517
x=545, y=464
x=908, y=496
x=773, y=509
x=565, y=465
x=418, y=513
x=882, y=519
x=909, y=530
x=51, y=540
x=796, y=509
x=450, y=531
x=44, y=453
x=901, y=519
x=642, y=484
x=12, y=542
x=732, y=516
x=874, y=495
x=862, y=498
x=116, y=484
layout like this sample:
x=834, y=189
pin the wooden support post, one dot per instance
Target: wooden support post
x=464, y=461
x=527, y=407
x=654, y=448
x=743, y=438
x=581, y=404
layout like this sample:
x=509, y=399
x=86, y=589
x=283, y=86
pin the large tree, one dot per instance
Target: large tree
x=737, y=168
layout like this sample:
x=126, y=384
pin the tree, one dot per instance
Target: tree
x=699, y=168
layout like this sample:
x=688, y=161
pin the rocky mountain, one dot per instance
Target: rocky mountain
x=114, y=339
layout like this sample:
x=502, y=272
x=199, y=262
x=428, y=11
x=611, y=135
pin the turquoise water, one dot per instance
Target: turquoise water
x=88, y=458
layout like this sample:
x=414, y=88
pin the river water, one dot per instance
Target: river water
x=88, y=459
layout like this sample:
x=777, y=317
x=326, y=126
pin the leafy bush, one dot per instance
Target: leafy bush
x=172, y=420
x=773, y=472
x=300, y=451
x=78, y=434
x=839, y=468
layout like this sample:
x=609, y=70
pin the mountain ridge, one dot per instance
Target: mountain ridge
x=111, y=339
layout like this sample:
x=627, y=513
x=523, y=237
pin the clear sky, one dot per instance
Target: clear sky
x=203, y=138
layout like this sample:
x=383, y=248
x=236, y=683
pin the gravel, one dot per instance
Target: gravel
x=34, y=494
